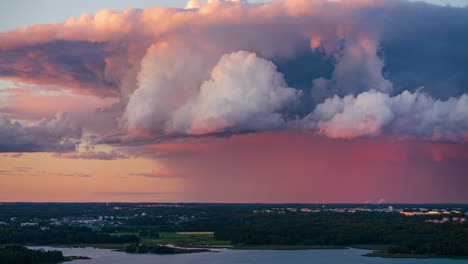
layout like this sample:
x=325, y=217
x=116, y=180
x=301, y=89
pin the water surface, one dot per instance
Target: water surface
x=227, y=256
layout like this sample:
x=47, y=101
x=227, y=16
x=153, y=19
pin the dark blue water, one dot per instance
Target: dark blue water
x=226, y=256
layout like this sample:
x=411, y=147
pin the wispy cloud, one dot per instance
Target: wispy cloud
x=23, y=169
x=136, y=193
x=98, y=155
x=81, y=175
x=157, y=173
x=13, y=155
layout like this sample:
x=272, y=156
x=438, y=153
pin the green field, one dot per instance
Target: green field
x=124, y=234
x=186, y=239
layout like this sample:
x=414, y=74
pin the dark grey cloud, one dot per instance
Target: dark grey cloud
x=78, y=65
x=421, y=45
x=425, y=46
x=59, y=134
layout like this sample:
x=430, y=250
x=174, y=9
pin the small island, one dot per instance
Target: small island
x=137, y=248
x=22, y=255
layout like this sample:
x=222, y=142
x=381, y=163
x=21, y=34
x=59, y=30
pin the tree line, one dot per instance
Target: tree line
x=409, y=235
x=22, y=255
x=66, y=235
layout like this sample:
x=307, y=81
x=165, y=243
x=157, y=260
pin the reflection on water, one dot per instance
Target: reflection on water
x=226, y=256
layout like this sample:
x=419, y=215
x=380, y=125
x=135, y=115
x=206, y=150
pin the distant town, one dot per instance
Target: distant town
x=449, y=214
x=125, y=214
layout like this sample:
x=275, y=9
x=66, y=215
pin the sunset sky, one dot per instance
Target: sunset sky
x=314, y=101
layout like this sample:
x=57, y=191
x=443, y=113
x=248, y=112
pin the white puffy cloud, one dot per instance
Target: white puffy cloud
x=245, y=93
x=170, y=75
x=364, y=115
x=193, y=4
x=224, y=1
x=178, y=95
x=372, y=112
x=198, y=3
x=455, y=3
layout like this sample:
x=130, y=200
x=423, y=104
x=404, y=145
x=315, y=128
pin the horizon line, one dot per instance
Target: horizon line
x=240, y=203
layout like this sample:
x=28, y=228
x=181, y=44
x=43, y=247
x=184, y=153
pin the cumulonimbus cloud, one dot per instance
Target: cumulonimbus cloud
x=244, y=93
x=218, y=67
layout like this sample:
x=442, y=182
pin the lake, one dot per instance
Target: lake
x=227, y=256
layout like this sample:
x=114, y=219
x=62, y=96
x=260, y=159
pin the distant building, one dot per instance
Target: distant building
x=411, y=213
x=363, y=210
x=390, y=209
x=28, y=224
x=434, y=212
x=56, y=223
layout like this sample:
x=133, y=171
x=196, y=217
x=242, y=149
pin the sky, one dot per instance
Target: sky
x=294, y=101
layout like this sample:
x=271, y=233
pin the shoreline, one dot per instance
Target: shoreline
x=380, y=254
x=377, y=250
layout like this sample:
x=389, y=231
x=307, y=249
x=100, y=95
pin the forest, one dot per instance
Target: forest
x=407, y=235
x=22, y=255
x=61, y=235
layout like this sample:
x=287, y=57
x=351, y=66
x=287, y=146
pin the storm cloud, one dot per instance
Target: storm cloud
x=343, y=69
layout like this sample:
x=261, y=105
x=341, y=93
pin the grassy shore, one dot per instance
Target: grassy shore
x=204, y=240
x=285, y=247
x=186, y=239
x=384, y=254
x=100, y=246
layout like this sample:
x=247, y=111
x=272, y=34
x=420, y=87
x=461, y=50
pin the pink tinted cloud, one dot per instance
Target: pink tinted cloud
x=442, y=152
x=13, y=155
x=36, y=102
x=156, y=173
x=100, y=53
